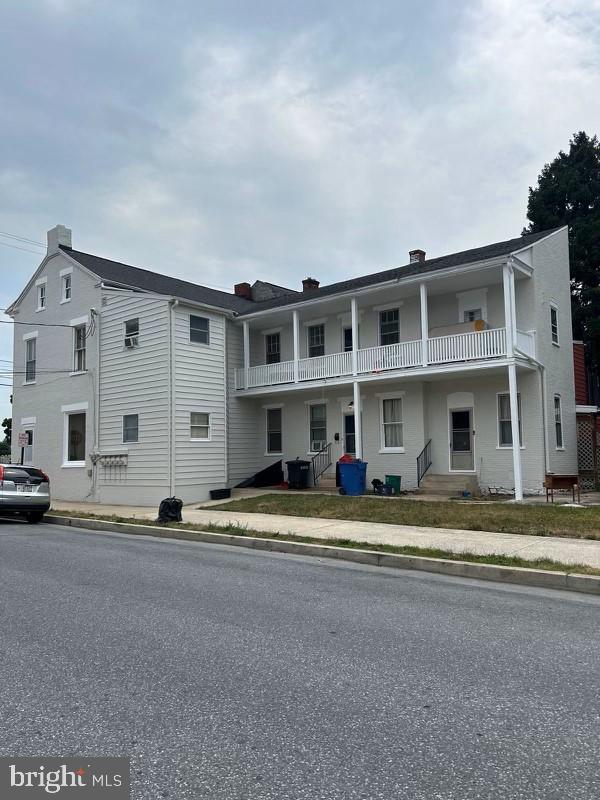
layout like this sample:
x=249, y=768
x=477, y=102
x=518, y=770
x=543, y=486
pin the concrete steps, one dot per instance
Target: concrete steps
x=448, y=485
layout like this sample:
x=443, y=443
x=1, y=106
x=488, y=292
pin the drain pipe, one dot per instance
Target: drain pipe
x=173, y=303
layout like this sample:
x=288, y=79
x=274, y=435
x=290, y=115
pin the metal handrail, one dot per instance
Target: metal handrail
x=321, y=461
x=423, y=462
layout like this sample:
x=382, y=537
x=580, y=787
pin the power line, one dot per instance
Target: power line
x=21, y=238
x=36, y=324
x=24, y=249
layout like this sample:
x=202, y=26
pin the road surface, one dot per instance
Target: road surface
x=227, y=674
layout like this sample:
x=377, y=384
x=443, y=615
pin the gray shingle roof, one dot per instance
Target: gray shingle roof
x=490, y=251
x=117, y=274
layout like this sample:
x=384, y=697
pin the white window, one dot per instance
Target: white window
x=274, y=431
x=79, y=337
x=199, y=329
x=75, y=445
x=273, y=348
x=41, y=296
x=389, y=326
x=318, y=427
x=558, y=428
x=316, y=341
x=132, y=333
x=30, y=359
x=66, y=288
x=554, y=324
x=199, y=425
x=130, y=428
x=392, y=427
x=504, y=422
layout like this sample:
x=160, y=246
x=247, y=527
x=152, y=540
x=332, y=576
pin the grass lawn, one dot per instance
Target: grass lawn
x=542, y=520
x=186, y=530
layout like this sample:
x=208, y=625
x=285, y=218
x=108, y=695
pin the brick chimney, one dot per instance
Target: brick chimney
x=309, y=284
x=416, y=255
x=58, y=235
x=243, y=290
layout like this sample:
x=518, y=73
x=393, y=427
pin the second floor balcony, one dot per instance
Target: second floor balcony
x=468, y=319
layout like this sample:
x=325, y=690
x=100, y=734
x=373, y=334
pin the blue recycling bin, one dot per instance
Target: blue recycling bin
x=353, y=477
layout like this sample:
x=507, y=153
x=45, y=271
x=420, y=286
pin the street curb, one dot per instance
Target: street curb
x=569, y=581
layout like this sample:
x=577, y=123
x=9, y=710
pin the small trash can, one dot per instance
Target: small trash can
x=353, y=477
x=298, y=472
x=395, y=481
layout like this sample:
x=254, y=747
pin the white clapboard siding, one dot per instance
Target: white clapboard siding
x=243, y=428
x=135, y=381
x=199, y=375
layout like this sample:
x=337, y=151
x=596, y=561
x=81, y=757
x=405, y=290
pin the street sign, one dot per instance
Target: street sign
x=23, y=440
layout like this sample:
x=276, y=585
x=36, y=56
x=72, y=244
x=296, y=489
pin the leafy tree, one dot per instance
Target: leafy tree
x=7, y=425
x=4, y=448
x=568, y=193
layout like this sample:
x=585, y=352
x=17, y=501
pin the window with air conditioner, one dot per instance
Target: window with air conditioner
x=132, y=333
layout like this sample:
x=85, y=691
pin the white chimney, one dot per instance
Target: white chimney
x=57, y=236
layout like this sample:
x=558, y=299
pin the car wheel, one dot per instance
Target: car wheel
x=34, y=517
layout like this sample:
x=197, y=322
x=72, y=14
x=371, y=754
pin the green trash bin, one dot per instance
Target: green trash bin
x=394, y=481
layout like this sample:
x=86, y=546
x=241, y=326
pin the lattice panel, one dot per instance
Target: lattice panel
x=587, y=455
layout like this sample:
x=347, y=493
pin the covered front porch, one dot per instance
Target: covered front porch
x=456, y=425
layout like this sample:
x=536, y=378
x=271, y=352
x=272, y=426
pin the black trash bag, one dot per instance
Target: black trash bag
x=170, y=510
x=381, y=488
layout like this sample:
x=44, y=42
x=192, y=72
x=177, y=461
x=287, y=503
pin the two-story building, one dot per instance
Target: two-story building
x=132, y=385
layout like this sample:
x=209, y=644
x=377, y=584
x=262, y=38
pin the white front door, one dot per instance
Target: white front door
x=462, y=456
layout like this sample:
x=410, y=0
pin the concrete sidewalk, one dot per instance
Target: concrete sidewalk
x=567, y=551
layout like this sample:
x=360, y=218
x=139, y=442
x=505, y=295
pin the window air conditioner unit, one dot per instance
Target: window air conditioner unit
x=131, y=341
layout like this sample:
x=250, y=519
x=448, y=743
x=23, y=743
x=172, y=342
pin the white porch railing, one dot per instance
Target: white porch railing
x=489, y=343
x=390, y=356
x=265, y=375
x=478, y=345
x=526, y=342
x=332, y=366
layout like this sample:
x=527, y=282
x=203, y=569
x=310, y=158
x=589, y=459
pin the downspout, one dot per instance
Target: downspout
x=226, y=403
x=172, y=431
x=97, y=317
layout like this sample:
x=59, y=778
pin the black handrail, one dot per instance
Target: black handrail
x=423, y=462
x=321, y=461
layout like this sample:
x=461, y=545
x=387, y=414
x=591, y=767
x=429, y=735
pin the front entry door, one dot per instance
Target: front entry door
x=462, y=458
x=349, y=435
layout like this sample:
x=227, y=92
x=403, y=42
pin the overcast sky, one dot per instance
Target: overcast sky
x=228, y=141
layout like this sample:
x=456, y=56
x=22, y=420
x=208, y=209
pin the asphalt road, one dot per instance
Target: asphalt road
x=225, y=673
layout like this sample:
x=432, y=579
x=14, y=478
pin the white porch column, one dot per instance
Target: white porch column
x=508, y=309
x=296, y=324
x=357, y=420
x=246, y=353
x=424, y=323
x=354, y=314
x=513, y=301
x=514, y=422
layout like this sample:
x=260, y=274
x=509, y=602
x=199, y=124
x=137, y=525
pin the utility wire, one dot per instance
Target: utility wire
x=21, y=238
x=25, y=249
